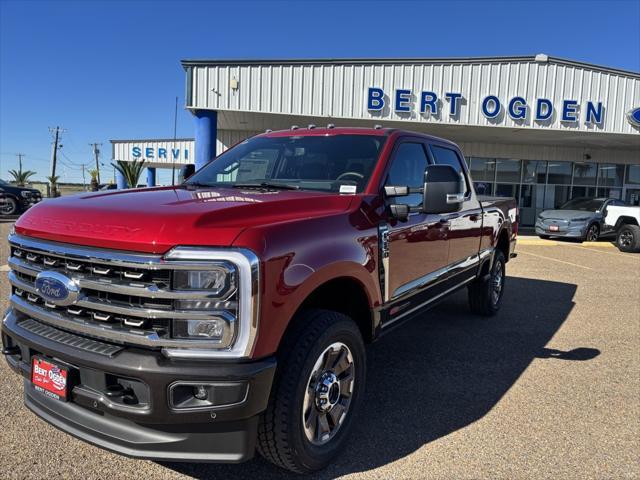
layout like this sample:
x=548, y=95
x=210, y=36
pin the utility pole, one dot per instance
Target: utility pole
x=96, y=153
x=84, y=182
x=56, y=132
x=175, y=129
x=20, y=155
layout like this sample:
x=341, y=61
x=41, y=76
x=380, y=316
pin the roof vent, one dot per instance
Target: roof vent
x=377, y=127
x=331, y=125
x=311, y=126
x=542, y=58
x=294, y=127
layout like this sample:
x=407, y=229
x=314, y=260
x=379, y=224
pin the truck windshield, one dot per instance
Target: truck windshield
x=584, y=204
x=339, y=163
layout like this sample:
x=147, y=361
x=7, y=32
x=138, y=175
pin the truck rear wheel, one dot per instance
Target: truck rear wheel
x=316, y=392
x=485, y=295
x=628, y=239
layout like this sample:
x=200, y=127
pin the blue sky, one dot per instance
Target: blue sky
x=106, y=70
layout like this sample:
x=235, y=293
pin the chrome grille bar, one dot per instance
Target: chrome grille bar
x=91, y=303
x=146, y=290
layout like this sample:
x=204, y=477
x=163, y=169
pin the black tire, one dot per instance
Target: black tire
x=482, y=298
x=628, y=239
x=545, y=237
x=10, y=207
x=593, y=233
x=282, y=435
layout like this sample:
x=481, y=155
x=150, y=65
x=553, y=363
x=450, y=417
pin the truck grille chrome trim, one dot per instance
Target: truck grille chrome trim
x=126, y=298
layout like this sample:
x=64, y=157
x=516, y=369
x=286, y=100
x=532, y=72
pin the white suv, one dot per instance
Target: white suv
x=626, y=223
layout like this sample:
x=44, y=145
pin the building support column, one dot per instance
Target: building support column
x=151, y=176
x=121, y=183
x=206, y=136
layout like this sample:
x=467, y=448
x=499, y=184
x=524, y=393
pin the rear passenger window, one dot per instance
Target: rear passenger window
x=407, y=168
x=446, y=156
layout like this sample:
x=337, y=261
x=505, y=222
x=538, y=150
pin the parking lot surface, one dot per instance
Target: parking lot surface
x=549, y=388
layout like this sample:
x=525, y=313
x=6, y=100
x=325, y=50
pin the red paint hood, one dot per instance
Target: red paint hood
x=156, y=219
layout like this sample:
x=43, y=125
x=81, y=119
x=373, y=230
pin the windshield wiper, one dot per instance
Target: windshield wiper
x=281, y=186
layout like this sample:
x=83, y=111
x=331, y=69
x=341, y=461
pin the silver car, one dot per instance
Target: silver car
x=581, y=218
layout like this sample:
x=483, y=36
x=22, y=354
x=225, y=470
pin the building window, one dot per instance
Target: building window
x=483, y=188
x=560, y=173
x=610, y=175
x=610, y=193
x=633, y=175
x=534, y=171
x=556, y=195
x=584, y=173
x=507, y=190
x=508, y=171
x=583, y=192
x=483, y=169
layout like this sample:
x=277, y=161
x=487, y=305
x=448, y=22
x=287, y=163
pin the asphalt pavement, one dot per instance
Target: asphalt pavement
x=549, y=388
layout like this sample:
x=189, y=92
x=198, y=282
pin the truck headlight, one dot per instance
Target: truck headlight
x=218, y=280
x=216, y=302
x=25, y=194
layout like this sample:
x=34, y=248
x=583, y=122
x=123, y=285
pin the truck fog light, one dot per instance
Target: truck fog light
x=200, y=392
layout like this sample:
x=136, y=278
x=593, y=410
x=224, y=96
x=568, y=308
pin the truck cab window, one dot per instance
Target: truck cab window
x=446, y=156
x=407, y=168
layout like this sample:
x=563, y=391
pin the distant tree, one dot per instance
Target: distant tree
x=21, y=177
x=131, y=171
x=53, y=181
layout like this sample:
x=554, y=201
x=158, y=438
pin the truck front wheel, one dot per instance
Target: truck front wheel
x=316, y=393
x=628, y=238
x=485, y=295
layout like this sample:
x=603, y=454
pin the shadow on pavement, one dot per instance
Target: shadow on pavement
x=437, y=374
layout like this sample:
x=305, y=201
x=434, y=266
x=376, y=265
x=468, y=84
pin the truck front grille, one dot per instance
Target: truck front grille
x=125, y=298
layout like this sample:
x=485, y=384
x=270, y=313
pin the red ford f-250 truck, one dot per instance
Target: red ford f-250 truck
x=198, y=322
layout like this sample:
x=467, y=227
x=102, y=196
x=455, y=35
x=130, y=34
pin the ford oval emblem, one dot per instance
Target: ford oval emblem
x=634, y=117
x=56, y=288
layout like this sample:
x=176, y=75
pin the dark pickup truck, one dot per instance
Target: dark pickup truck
x=230, y=313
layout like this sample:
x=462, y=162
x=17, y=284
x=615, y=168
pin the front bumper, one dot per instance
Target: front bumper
x=571, y=231
x=27, y=202
x=151, y=428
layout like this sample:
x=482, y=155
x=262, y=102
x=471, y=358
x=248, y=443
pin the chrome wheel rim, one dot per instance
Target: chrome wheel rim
x=592, y=235
x=625, y=239
x=328, y=394
x=497, y=282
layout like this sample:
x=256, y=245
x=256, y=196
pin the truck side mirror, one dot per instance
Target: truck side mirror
x=400, y=211
x=443, y=189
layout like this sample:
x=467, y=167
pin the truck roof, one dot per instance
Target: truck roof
x=322, y=131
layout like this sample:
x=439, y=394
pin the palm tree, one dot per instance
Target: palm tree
x=94, y=179
x=21, y=177
x=130, y=171
x=53, y=180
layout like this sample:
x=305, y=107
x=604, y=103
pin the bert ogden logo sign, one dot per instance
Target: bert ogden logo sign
x=403, y=100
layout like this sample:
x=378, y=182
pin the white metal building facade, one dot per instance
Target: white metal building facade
x=539, y=128
x=586, y=143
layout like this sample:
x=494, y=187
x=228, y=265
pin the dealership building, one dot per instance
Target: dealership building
x=539, y=128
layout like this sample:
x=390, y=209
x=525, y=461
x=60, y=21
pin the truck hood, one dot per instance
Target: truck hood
x=566, y=214
x=154, y=220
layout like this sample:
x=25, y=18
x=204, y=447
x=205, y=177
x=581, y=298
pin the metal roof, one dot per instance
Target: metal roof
x=540, y=58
